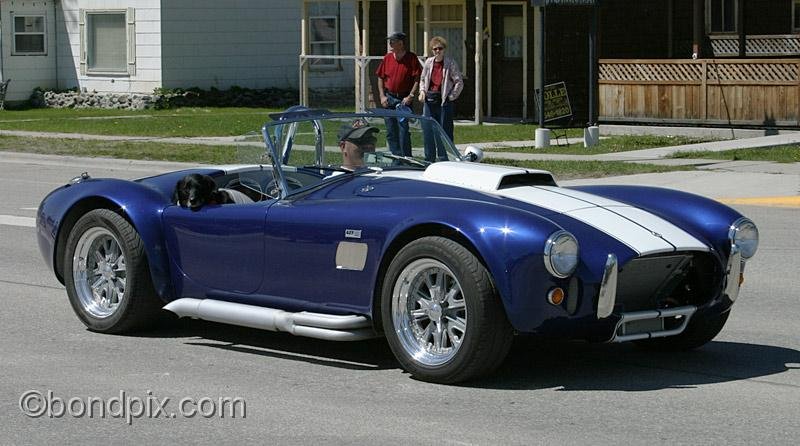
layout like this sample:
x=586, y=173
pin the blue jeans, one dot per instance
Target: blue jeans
x=398, y=136
x=443, y=114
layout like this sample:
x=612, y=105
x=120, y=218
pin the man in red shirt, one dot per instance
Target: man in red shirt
x=398, y=81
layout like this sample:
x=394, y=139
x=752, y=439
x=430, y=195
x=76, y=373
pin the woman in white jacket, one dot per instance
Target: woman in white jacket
x=440, y=84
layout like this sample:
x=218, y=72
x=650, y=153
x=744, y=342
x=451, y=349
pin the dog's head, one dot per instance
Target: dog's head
x=194, y=191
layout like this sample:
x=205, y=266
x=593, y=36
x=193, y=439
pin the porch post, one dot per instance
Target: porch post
x=357, y=53
x=426, y=33
x=697, y=28
x=542, y=133
x=742, y=31
x=478, y=58
x=303, y=61
x=394, y=16
x=591, y=135
x=365, y=52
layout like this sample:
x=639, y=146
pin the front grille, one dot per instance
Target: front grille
x=667, y=281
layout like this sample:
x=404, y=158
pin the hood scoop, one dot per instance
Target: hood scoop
x=486, y=177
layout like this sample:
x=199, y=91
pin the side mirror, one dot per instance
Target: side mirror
x=473, y=154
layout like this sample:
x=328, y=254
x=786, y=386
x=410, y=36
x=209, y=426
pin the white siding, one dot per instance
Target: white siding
x=179, y=43
x=26, y=72
x=249, y=43
x=147, y=77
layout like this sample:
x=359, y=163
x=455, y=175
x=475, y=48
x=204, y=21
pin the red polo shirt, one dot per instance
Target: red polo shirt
x=399, y=75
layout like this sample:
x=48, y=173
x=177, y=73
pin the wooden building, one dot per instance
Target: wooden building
x=672, y=61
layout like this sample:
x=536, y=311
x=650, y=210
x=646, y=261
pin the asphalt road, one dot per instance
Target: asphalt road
x=742, y=388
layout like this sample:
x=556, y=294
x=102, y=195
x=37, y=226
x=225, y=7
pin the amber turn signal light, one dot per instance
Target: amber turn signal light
x=555, y=296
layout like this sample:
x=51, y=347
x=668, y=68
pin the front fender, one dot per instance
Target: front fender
x=141, y=205
x=509, y=240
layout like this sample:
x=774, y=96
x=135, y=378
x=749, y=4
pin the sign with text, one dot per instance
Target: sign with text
x=556, y=101
x=537, y=3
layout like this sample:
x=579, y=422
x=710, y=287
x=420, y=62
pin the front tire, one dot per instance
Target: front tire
x=107, y=276
x=443, y=317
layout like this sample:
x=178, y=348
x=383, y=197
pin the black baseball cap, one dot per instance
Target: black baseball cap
x=397, y=36
x=357, y=134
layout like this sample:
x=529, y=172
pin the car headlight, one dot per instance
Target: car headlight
x=744, y=234
x=561, y=254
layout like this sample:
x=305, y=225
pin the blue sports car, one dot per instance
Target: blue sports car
x=327, y=231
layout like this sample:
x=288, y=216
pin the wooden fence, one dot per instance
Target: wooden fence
x=764, y=92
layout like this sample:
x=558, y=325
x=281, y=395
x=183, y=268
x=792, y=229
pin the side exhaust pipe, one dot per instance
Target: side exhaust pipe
x=313, y=325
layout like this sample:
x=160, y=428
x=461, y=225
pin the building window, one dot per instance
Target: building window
x=106, y=42
x=721, y=16
x=447, y=20
x=29, y=35
x=323, y=34
x=796, y=15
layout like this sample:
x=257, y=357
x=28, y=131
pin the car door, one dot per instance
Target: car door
x=326, y=248
x=218, y=249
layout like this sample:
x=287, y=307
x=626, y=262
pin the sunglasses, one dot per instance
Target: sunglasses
x=438, y=48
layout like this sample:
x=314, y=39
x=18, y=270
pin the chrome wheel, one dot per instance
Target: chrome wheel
x=429, y=312
x=99, y=272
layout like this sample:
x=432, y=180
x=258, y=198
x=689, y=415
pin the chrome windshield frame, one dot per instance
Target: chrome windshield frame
x=279, y=153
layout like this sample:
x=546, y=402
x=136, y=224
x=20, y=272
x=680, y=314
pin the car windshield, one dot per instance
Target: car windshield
x=303, y=138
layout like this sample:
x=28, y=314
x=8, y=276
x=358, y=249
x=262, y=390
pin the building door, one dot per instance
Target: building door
x=507, y=59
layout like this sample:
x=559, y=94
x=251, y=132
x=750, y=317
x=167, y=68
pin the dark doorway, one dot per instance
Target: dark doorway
x=507, y=44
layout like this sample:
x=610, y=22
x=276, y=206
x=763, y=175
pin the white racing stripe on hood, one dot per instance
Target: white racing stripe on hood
x=675, y=235
x=640, y=230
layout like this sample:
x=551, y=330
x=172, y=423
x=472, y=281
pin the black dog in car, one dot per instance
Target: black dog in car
x=195, y=191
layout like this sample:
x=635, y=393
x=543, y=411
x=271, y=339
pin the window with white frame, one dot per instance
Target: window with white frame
x=447, y=20
x=796, y=15
x=721, y=16
x=108, y=42
x=29, y=35
x=323, y=34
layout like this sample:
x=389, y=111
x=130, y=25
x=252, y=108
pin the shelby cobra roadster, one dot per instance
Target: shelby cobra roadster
x=340, y=236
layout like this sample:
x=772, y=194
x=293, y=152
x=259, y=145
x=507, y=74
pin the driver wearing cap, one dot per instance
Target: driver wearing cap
x=353, y=142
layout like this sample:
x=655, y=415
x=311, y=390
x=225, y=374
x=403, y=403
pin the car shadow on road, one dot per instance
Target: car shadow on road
x=569, y=366
x=532, y=363
x=372, y=354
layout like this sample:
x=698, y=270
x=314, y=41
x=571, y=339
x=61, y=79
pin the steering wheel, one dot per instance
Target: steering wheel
x=248, y=186
x=273, y=189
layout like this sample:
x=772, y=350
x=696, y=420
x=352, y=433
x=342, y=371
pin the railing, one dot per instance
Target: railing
x=757, y=46
x=706, y=91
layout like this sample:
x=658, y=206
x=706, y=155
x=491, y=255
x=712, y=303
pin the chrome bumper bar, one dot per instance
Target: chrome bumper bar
x=621, y=330
x=734, y=270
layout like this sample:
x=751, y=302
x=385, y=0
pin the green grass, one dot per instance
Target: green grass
x=205, y=121
x=503, y=132
x=565, y=170
x=203, y=154
x=779, y=154
x=210, y=121
x=185, y=122
x=611, y=144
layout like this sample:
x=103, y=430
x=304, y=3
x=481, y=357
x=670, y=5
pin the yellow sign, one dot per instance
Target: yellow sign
x=556, y=101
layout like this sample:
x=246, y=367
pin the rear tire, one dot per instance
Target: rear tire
x=107, y=276
x=442, y=315
x=699, y=332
